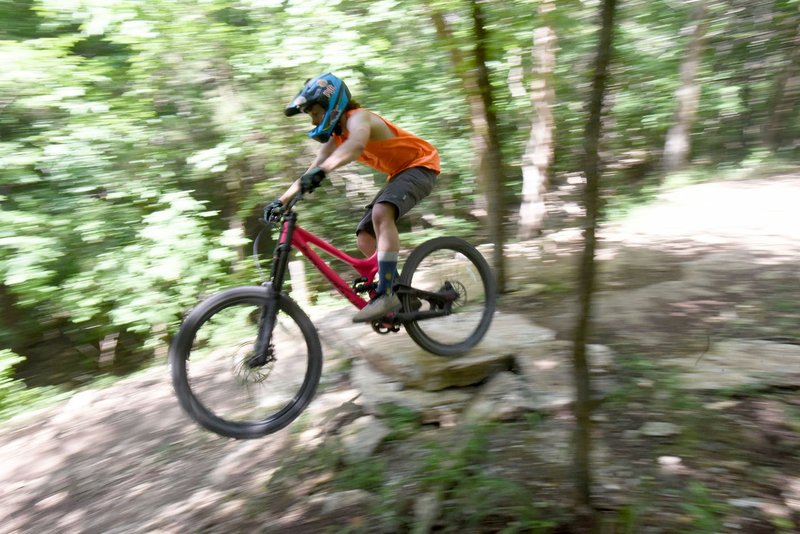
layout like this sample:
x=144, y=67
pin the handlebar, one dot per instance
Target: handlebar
x=297, y=198
x=284, y=210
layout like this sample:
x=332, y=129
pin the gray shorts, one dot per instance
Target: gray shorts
x=403, y=192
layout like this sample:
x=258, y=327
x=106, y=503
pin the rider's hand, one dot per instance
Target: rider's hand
x=311, y=180
x=273, y=209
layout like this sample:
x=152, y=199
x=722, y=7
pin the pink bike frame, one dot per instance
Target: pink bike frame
x=302, y=240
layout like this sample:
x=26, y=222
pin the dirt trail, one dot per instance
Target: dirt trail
x=126, y=459
x=122, y=459
x=757, y=214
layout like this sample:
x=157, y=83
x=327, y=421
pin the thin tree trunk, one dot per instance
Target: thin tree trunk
x=687, y=97
x=490, y=170
x=485, y=140
x=538, y=155
x=586, y=281
x=469, y=82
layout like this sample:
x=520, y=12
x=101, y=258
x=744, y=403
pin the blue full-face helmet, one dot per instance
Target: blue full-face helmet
x=329, y=92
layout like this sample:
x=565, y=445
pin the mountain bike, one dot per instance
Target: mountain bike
x=247, y=361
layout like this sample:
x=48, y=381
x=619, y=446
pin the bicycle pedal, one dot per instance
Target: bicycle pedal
x=385, y=327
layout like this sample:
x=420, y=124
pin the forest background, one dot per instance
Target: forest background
x=139, y=141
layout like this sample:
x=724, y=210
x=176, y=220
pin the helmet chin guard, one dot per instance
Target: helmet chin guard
x=329, y=92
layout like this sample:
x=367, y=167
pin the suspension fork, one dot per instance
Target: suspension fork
x=269, y=312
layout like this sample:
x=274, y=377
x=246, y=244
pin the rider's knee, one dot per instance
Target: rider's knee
x=383, y=213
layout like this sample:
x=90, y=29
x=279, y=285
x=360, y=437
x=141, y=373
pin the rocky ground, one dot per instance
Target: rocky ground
x=696, y=372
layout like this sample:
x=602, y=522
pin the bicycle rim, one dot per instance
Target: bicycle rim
x=451, y=264
x=221, y=386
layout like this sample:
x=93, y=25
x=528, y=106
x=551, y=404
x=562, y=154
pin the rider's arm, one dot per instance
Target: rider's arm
x=358, y=133
x=331, y=158
x=324, y=153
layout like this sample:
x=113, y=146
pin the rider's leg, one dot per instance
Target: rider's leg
x=388, y=243
x=388, y=247
x=377, y=231
x=367, y=243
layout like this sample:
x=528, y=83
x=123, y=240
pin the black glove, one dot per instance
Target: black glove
x=311, y=180
x=273, y=209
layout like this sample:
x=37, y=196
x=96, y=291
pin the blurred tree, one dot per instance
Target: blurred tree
x=467, y=74
x=490, y=167
x=488, y=161
x=592, y=169
x=678, y=144
x=538, y=156
x=782, y=103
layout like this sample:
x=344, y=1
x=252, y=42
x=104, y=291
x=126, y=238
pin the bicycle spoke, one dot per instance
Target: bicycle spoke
x=222, y=376
x=455, y=271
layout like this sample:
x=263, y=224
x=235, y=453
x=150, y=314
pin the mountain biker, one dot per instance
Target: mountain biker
x=349, y=133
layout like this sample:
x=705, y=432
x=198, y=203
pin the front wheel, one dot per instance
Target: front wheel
x=219, y=381
x=453, y=266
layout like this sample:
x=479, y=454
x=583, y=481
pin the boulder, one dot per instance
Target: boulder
x=362, y=437
x=378, y=390
x=504, y=398
x=659, y=429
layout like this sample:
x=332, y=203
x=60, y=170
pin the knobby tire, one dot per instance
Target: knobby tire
x=482, y=280
x=180, y=357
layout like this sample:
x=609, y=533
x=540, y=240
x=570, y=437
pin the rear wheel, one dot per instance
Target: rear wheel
x=449, y=265
x=219, y=382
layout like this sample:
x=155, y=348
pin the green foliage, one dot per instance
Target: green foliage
x=8, y=386
x=783, y=525
x=14, y=396
x=139, y=140
x=367, y=475
x=628, y=519
x=402, y=422
x=472, y=497
x=706, y=513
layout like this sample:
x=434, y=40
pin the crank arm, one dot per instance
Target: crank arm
x=433, y=297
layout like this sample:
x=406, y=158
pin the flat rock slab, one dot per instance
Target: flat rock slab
x=741, y=363
x=399, y=357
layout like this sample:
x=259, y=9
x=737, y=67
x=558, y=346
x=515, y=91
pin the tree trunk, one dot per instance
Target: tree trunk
x=687, y=96
x=586, y=280
x=784, y=100
x=490, y=171
x=469, y=82
x=485, y=137
x=538, y=155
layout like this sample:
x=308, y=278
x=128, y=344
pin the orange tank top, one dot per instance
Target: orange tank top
x=394, y=155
